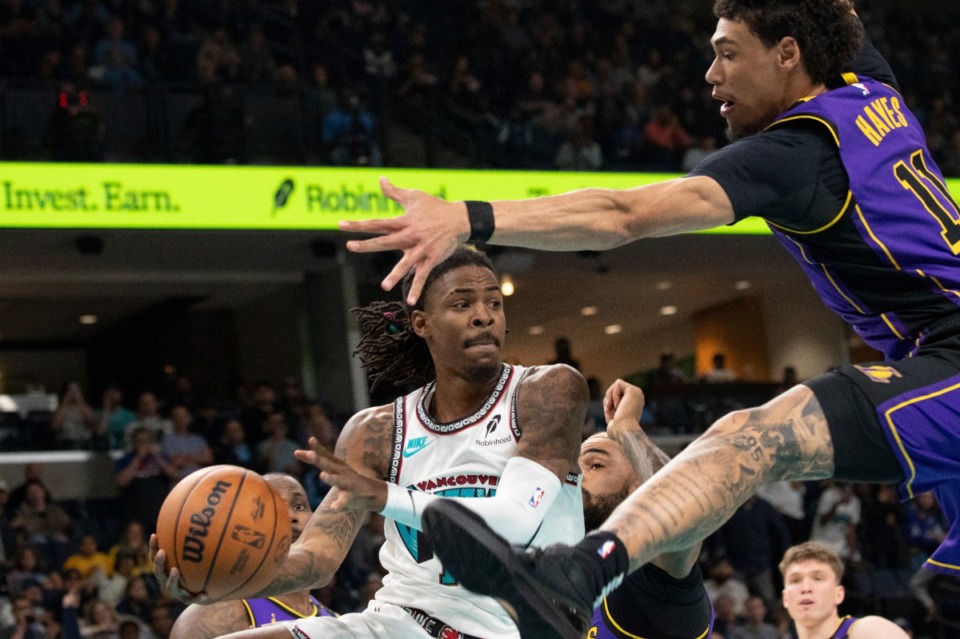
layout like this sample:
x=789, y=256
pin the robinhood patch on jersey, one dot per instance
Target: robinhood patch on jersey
x=879, y=373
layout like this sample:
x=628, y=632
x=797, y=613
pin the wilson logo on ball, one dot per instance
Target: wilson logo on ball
x=193, y=545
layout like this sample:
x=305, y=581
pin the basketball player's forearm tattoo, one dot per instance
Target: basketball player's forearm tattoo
x=301, y=571
x=704, y=485
x=369, y=444
x=644, y=456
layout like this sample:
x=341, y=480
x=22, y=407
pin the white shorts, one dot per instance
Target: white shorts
x=380, y=620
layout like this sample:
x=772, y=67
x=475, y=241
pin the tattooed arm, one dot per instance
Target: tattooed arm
x=316, y=556
x=209, y=622
x=623, y=406
x=551, y=408
x=703, y=486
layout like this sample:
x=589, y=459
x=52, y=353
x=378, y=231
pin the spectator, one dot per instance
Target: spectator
x=926, y=527
x=148, y=417
x=74, y=131
x=186, y=451
x=350, y=132
x=580, y=152
x=595, y=421
x=214, y=132
x=722, y=583
x=115, y=58
x=666, y=140
x=725, y=617
x=137, y=600
x=881, y=540
x=837, y=518
x=25, y=621
x=73, y=422
x=719, y=374
x=318, y=425
x=257, y=63
x=88, y=559
x=26, y=567
x=161, y=621
x=563, y=353
x=321, y=97
x=43, y=524
x=753, y=539
x=697, y=152
x=32, y=472
x=133, y=542
x=232, y=447
x=143, y=476
x=275, y=454
x=113, y=417
x=754, y=625
x=264, y=402
x=111, y=587
x=787, y=498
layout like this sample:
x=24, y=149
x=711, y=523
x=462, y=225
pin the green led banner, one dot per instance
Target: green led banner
x=137, y=196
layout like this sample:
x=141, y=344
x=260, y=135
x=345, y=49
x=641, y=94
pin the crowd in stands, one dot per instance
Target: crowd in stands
x=86, y=562
x=521, y=84
x=81, y=568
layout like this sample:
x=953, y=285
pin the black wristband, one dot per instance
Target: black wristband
x=481, y=220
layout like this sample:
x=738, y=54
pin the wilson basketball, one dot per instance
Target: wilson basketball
x=226, y=530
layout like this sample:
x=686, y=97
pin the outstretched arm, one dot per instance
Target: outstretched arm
x=623, y=406
x=587, y=219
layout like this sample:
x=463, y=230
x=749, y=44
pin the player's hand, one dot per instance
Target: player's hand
x=355, y=491
x=623, y=400
x=427, y=233
x=170, y=583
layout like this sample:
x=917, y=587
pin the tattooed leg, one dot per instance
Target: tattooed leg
x=704, y=485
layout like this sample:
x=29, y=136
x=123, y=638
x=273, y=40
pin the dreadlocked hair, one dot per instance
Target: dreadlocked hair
x=829, y=36
x=389, y=350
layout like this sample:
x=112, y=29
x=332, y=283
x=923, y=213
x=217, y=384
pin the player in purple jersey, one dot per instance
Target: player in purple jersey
x=816, y=139
x=812, y=591
x=207, y=622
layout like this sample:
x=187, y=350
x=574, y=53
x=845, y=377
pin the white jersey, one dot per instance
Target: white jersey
x=460, y=459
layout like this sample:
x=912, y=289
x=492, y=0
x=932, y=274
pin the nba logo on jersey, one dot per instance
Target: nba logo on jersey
x=536, y=497
x=449, y=633
x=862, y=88
x=879, y=374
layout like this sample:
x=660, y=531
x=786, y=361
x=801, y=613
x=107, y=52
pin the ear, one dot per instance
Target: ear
x=841, y=593
x=788, y=53
x=418, y=322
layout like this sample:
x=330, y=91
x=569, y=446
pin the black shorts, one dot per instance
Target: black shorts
x=900, y=422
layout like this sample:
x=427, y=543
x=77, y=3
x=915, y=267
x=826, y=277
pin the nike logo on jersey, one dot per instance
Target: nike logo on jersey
x=416, y=444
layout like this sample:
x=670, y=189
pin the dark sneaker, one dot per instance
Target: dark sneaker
x=544, y=589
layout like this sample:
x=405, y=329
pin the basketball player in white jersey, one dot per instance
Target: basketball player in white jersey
x=501, y=439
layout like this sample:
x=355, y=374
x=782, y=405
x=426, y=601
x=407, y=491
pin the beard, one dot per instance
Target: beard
x=597, y=508
x=483, y=372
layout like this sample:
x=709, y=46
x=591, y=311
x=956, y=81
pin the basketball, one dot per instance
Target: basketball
x=226, y=530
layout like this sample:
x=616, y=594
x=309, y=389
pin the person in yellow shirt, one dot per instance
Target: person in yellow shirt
x=88, y=558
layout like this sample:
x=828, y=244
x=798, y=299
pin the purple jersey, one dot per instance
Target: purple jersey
x=263, y=612
x=888, y=263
